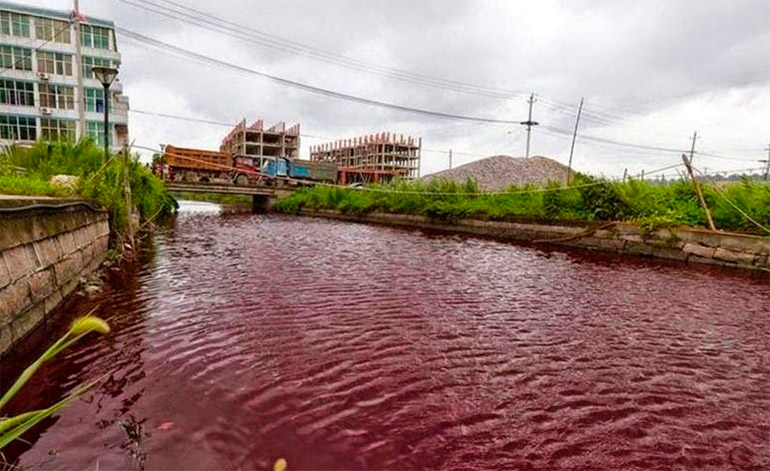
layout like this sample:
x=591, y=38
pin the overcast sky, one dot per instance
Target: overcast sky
x=651, y=72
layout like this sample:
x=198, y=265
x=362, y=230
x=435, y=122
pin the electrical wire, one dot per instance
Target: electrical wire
x=211, y=22
x=611, y=141
x=299, y=85
x=208, y=121
x=563, y=133
x=220, y=25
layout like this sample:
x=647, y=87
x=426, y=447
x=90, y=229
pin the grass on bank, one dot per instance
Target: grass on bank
x=588, y=199
x=99, y=180
x=17, y=184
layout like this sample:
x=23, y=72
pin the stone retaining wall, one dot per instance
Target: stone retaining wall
x=682, y=244
x=44, y=251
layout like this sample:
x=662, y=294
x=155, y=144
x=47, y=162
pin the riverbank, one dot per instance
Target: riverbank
x=46, y=246
x=741, y=207
x=683, y=244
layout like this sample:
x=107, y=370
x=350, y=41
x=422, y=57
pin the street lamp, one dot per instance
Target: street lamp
x=106, y=75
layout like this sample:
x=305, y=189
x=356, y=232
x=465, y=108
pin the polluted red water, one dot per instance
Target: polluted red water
x=240, y=340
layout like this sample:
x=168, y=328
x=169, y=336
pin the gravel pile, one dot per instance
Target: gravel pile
x=501, y=171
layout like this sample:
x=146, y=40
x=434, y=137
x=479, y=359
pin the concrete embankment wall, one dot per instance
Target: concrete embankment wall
x=682, y=244
x=44, y=250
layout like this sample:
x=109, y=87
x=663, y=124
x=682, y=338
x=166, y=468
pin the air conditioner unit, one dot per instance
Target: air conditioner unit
x=45, y=111
x=43, y=76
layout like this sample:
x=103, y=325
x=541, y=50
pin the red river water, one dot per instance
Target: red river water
x=241, y=339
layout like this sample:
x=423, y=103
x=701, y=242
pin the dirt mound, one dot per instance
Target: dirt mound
x=498, y=172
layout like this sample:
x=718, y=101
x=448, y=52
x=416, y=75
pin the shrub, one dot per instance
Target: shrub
x=100, y=181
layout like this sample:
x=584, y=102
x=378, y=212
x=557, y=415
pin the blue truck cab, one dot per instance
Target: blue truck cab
x=279, y=167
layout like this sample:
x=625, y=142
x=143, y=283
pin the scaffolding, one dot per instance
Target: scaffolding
x=262, y=144
x=382, y=153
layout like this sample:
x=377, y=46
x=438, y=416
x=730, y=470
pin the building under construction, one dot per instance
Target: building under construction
x=262, y=144
x=383, y=156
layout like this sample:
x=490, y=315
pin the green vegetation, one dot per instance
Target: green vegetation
x=17, y=184
x=11, y=428
x=100, y=181
x=588, y=199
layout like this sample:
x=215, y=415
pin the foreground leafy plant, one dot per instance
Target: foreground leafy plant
x=11, y=428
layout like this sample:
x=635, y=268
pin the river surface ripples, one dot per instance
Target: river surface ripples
x=241, y=339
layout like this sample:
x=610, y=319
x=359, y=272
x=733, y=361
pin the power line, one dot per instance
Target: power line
x=220, y=25
x=641, y=147
x=299, y=85
x=194, y=16
x=208, y=121
x=425, y=149
x=613, y=142
x=312, y=136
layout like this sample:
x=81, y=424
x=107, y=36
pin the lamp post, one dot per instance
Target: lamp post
x=106, y=75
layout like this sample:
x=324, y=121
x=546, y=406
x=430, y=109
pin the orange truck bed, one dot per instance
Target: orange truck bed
x=197, y=159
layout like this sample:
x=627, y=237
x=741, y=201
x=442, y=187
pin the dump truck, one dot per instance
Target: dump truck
x=197, y=165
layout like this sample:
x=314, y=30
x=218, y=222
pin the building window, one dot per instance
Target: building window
x=90, y=62
x=57, y=129
x=14, y=92
x=18, y=58
x=95, y=100
x=52, y=30
x=54, y=63
x=96, y=131
x=57, y=96
x=18, y=128
x=94, y=36
x=14, y=24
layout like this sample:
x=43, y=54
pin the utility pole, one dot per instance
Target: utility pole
x=529, y=123
x=80, y=101
x=692, y=149
x=574, y=136
x=450, y=159
x=688, y=165
x=767, y=165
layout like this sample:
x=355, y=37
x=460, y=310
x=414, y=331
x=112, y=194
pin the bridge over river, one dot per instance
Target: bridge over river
x=263, y=196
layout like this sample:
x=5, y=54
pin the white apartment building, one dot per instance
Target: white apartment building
x=47, y=88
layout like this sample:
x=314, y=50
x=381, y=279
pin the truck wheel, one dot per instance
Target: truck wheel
x=279, y=183
x=242, y=180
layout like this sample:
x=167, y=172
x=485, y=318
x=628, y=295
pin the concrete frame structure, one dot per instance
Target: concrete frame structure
x=47, y=88
x=262, y=144
x=387, y=153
